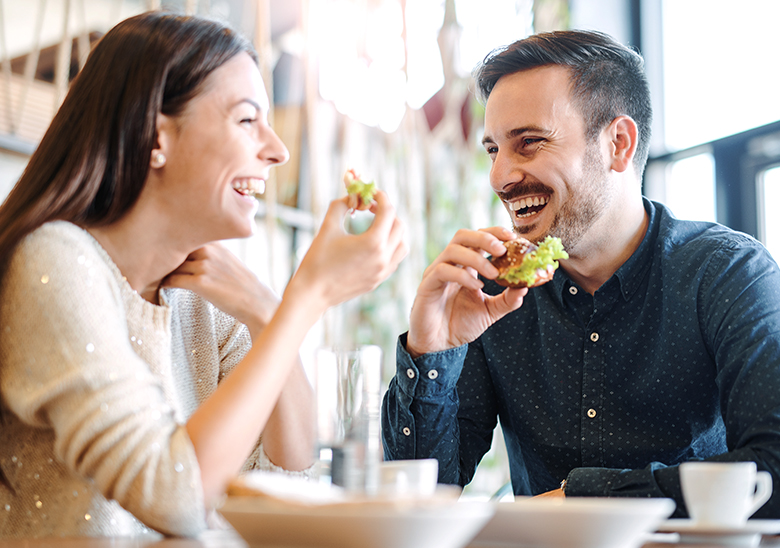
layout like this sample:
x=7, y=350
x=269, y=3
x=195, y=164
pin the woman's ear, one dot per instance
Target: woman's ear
x=164, y=127
x=623, y=136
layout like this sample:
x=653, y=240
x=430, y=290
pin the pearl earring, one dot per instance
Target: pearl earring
x=158, y=160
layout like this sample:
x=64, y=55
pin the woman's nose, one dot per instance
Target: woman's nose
x=274, y=150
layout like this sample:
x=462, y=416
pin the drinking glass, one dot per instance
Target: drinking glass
x=348, y=385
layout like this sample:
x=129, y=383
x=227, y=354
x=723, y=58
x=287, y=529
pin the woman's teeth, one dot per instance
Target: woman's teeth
x=249, y=187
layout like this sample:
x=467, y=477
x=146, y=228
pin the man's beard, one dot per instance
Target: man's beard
x=587, y=202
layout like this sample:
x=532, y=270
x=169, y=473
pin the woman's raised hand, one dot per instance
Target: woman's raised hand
x=340, y=266
x=217, y=275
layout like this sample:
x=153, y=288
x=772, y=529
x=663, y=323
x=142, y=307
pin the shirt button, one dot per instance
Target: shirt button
x=410, y=373
x=591, y=413
x=573, y=290
x=432, y=374
x=594, y=336
x=406, y=431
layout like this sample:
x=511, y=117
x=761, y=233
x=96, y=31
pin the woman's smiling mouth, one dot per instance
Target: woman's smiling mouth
x=249, y=186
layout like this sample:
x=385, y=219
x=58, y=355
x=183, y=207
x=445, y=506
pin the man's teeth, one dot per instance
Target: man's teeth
x=521, y=206
x=249, y=187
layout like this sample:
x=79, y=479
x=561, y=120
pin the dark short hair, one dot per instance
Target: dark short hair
x=93, y=160
x=607, y=78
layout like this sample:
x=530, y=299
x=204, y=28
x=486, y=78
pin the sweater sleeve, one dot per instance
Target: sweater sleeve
x=68, y=365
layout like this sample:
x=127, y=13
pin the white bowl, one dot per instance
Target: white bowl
x=424, y=523
x=574, y=522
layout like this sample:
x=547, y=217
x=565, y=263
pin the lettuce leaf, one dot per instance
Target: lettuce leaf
x=366, y=191
x=546, y=254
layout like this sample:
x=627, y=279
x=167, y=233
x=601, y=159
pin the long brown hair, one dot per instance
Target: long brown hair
x=91, y=164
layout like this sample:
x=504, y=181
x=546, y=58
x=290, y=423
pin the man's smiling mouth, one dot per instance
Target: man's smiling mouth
x=528, y=206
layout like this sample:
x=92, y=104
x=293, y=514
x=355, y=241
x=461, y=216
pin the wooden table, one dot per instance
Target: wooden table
x=210, y=539
x=229, y=539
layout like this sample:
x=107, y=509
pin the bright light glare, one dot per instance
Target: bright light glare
x=361, y=58
x=490, y=24
x=771, y=221
x=426, y=76
x=719, y=59
x=690, y=190
x=361, y=53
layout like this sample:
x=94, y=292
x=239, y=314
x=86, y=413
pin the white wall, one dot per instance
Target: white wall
x=11, y=167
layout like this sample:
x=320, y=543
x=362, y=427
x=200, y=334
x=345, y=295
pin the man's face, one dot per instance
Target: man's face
x=551, y=180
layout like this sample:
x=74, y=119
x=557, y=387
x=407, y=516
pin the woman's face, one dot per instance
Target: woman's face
x=217, y=152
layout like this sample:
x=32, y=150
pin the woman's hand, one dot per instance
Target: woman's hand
x=340, y=266
x=217, y=275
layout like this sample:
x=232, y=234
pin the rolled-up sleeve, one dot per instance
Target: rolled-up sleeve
x=420, y=408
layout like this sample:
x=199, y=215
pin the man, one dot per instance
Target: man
x=657, y=341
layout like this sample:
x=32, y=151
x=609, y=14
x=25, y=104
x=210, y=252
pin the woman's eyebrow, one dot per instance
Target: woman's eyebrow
x=249, y=101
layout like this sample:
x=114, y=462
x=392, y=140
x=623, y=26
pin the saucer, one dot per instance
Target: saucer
x=746, y=535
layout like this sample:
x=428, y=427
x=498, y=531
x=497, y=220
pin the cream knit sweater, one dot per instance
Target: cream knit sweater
x=96, y=385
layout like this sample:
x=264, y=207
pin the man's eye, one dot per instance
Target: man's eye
x=531, y=141
x=248, y=121
x=491, y=150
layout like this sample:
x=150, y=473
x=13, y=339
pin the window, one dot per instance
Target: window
x=718, y=68
x=690, y=188
x=769, y=222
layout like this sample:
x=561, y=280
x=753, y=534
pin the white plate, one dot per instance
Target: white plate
x=573, y=522
x=425, y=523
x=749, y=534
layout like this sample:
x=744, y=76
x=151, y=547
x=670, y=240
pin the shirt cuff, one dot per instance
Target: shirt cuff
x=430, y=375
x=614, y=482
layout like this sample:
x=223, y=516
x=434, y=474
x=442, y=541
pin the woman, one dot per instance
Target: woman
x=118, y=316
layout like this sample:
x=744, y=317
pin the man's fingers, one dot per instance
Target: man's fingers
x=507, y=301
x=503, y=234
x=444, y=273
x=486, y=240
x=458, y=255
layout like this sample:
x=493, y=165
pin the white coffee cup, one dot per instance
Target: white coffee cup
x=408, y=478
x=723, y=494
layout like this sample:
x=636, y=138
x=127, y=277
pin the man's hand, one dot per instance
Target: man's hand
x=450, y=308
x=555, y=493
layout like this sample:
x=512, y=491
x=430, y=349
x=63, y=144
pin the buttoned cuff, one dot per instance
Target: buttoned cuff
x=615, y=482
x=591, y=482
x=430, y=375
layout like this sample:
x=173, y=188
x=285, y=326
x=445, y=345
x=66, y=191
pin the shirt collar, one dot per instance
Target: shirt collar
x=631, y=273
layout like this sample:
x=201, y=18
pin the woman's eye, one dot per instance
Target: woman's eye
x=248, y=121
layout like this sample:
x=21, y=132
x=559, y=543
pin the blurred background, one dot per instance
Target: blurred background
x=384, y=87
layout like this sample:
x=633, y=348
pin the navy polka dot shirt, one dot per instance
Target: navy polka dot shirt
x=675, y=358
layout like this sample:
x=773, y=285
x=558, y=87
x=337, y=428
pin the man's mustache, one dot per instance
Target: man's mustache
x=524, y=189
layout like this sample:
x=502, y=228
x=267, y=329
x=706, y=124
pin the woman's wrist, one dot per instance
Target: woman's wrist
x=307, y=294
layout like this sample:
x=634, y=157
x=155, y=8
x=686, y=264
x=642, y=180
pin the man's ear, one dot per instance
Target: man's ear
x=623, y=135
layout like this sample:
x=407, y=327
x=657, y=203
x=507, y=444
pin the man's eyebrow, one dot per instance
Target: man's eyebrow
x=516, y=132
